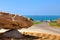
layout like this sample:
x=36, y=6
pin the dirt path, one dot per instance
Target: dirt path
x=43, y=28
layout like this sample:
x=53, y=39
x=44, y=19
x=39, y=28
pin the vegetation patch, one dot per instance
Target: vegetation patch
x=54, y=24
x=37, y=22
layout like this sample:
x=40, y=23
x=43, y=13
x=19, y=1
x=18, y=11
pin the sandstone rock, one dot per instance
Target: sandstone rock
x=58, y=22
x=12, y=21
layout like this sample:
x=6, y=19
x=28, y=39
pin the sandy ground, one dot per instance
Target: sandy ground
x=45, y=31
x=39, y=28
x=42, y=28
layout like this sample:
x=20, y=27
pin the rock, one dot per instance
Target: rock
x=12, y=21
x=58, y=22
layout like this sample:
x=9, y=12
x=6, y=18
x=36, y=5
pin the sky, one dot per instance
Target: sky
x=31, y=7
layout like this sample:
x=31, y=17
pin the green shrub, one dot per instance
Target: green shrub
x=37, y=22
x=52, y=23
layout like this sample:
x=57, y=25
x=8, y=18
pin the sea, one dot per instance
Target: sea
x=39, y=17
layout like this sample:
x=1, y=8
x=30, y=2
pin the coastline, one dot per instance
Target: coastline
x=43, y=17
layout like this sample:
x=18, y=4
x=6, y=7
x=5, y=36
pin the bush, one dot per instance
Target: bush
x=31, y=19
x=37, y=22
x=52, y=23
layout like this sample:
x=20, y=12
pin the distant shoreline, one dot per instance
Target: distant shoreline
x=43, y=18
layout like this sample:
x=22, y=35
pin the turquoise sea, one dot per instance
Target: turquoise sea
x=37, y=18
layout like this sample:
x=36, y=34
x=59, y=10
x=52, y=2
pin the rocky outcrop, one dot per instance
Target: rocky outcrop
x=12, y=21
x=58, y=22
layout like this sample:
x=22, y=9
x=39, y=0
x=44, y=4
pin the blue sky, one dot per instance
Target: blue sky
x=31, y=7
